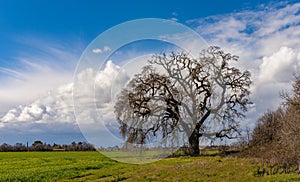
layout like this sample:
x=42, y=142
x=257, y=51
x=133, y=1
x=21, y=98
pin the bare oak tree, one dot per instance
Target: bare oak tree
x=201, y=97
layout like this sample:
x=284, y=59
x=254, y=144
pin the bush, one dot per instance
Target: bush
x=276, y=138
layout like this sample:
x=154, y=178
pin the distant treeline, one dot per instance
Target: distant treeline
x=40, y=146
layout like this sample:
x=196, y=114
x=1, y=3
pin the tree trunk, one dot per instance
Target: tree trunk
x=194, y=143
x=194, y=138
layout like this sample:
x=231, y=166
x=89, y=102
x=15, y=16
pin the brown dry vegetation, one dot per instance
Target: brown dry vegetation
x=276, y=138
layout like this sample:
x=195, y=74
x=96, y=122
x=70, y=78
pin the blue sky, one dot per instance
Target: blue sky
x=42, y=41
x=69, y=21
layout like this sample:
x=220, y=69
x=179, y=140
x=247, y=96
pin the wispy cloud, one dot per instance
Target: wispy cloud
x=12, y=73
x=47, y=66
x=263, y=30
x=98, y=50
x=106, y=48
x=174, y=19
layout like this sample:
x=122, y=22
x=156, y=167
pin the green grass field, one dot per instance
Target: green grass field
x=93, y=166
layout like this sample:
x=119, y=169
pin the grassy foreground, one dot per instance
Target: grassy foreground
x=93, y=166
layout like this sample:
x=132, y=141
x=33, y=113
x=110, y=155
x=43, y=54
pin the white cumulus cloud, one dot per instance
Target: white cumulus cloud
x=279, y=66
x=57, y=106
x=54, y=107
x=112, y=77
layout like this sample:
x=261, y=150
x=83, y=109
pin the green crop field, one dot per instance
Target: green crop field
x=93, y=166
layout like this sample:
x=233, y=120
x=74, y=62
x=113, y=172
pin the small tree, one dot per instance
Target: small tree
x=290, y=133
x=268, y=128
x=202, y=97
x=276, y=137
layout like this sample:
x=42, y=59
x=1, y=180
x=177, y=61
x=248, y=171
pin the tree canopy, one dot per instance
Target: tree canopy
x=176, y=93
